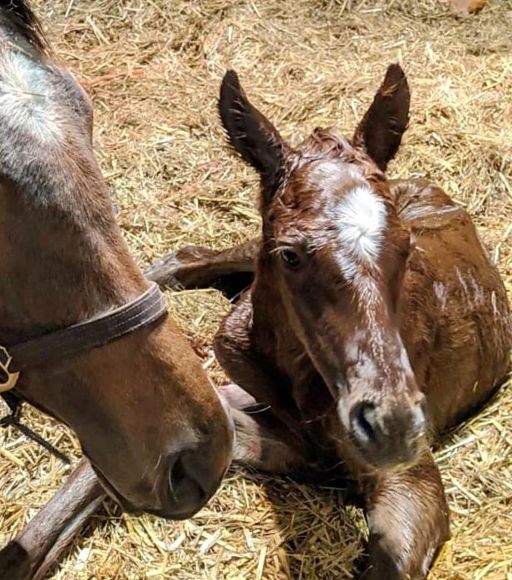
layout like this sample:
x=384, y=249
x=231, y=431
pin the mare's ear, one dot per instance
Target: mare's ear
x=252, y=135
x=380, y=132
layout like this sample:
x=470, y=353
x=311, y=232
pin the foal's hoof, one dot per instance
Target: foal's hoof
x=165, y=272
x=236, y=397
x=186, y=268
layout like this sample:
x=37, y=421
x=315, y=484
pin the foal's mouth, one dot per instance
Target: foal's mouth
x=388, y=460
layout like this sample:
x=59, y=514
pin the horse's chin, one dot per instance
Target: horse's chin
x=380, y=465
x=112, y=492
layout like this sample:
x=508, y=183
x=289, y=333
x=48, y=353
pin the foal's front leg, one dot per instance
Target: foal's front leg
x=249, y=368
x=408, y=522
x=262, y=442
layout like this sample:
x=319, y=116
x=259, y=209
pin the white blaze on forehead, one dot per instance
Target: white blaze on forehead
x=360, y=220
x=26, y=98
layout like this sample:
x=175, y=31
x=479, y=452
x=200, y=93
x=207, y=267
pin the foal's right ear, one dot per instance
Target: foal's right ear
x=380, y=132
x=252, y=134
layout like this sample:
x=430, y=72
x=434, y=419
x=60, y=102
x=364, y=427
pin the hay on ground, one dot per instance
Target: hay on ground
x=154, y=69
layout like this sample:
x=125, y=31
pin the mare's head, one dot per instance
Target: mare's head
x=336, y=252
x=146, y=415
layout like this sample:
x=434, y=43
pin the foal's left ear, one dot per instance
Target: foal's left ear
x=380, y=132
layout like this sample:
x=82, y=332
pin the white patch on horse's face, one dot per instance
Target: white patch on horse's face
x=26, y=104
x=361, y=221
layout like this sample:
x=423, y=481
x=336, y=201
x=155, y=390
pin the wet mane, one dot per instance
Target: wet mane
x=329, y=143
x=323, y=145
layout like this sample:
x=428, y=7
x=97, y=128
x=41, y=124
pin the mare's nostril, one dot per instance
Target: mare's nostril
x=193, y=476
x=364, y=423
x=180, y=482
x=185, y=484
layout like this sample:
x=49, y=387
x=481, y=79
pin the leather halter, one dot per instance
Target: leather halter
x=148, y=308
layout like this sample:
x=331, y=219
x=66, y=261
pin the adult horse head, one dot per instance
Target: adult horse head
x=146, y=416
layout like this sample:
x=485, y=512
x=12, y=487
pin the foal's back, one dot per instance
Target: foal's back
x=456, y=319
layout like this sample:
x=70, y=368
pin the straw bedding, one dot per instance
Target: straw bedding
x=153, y=68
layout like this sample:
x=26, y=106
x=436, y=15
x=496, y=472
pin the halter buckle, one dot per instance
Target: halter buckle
x=8, y=379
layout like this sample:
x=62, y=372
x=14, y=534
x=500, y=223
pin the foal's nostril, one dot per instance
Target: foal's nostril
x=364, y=423
x=388, y=435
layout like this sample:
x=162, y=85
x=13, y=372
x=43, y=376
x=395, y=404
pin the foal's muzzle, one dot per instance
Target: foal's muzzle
x=387, y=435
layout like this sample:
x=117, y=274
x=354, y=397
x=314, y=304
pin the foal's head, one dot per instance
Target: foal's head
x=142, y=407
x=336, y=250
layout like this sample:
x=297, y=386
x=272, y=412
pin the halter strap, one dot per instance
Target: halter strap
x=145, y=310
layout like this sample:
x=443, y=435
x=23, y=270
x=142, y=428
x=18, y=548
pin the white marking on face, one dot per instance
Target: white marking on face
x=360, y=219
x=360, y=222
x=404, y=360
x=26, y=104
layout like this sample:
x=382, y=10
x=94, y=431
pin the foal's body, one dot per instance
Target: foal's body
x=455, y=317
x=452, y=316
x=455, y=320
x=456, y=326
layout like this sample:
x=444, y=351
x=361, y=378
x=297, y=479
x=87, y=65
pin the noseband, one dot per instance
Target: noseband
x=16, y=360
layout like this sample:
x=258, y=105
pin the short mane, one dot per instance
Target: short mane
x=331, y=144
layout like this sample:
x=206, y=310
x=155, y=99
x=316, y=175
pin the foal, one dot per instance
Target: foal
x=375, y=316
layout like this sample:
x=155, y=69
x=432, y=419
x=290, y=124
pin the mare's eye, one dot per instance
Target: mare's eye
x=290, y=258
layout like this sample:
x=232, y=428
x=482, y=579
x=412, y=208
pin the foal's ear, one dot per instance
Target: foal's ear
x=252, y=134
x=380, y=132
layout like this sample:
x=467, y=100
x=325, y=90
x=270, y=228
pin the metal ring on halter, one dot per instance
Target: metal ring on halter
x=8, y=379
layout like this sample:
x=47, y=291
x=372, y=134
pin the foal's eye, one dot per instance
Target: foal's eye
x=290, y=258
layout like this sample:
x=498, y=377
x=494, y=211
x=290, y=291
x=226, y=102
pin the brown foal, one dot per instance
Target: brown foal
x=375, y=320
x=148, y=419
